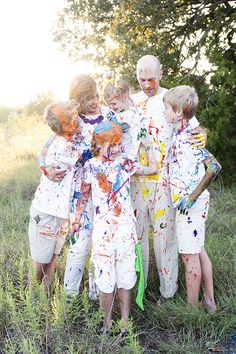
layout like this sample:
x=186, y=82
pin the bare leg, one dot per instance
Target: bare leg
x=39, y=269
x=106, y=302
x=124, y=301
x=207, y=282
x=48, y=271
x=192, y=277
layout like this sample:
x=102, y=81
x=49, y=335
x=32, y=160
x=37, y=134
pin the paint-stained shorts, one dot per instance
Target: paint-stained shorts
x=113, y=256
x=46, y=236
x=190, y=229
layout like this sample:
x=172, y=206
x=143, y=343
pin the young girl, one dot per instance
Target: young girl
x=114, y=236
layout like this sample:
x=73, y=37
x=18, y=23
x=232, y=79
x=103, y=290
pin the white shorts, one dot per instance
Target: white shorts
x=45, y=236
x=190, y=229
x=113, y=256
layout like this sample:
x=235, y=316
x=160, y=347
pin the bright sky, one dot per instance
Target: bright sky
x=30, y=62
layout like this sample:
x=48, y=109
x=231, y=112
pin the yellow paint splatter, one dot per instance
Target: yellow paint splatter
x=174, y=196
x=159, y=212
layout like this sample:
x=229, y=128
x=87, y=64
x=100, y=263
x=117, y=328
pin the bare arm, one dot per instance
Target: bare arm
x=151, y=168
x=212, y=169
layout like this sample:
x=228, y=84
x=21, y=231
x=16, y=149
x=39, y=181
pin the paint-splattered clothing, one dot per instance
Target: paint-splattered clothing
x=138, y=128
x=114, y=235
x=151, y=195
x=190, y=229
x=110, y=181
x=77, y=252
x=186, y=166
x=186, y=172
x=53, y=197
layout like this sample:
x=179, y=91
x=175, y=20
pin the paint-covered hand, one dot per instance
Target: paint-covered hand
x=124, y=126
x=198, y=140
x=54, y=174
x=185, y=204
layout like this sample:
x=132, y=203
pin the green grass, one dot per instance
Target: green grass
x=32, y=323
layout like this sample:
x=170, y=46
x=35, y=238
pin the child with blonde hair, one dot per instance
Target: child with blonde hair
x=50, y=206
x=192, y=169
x=114, y=236
x=83, y=90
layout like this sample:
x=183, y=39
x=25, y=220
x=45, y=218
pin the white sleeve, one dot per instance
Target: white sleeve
x=62, y=153
x=193, y=122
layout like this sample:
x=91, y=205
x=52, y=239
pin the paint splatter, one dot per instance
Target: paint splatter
x=189, y=221
x=195, y=233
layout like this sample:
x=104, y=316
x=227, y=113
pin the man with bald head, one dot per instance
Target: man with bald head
x=151, y=194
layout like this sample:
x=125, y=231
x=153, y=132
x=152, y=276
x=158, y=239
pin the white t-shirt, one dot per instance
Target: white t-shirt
x=161, y=132
x=131, y=139
x=186, y=167
x=110, y=182
x=53, y=197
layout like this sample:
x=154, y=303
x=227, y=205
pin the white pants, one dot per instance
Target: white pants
x=77, y=253
x=152, y=205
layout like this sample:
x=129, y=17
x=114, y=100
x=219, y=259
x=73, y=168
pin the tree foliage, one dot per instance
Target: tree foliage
x=193, y=39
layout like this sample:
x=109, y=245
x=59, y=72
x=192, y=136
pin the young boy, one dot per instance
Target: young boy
x=191, y=169
x=50, y=206
x=114, y=236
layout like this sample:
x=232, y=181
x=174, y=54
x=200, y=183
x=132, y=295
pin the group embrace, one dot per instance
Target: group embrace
x=110, y=172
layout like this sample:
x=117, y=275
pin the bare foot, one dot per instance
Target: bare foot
x=209, y=306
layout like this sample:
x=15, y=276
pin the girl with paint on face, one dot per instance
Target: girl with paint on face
x=114, y=236
x=83, y=89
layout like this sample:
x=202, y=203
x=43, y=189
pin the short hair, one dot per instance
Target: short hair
x=148, y=62
x=114, y=89
x=107, y=132
x=81, y=88
x=182, y=97
x=57, y=110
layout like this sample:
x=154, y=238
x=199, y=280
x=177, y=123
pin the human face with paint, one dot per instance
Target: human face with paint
x=149, y=74
x=149, y=82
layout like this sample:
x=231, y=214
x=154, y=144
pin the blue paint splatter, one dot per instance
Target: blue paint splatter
x=195, y=233
x=189, y=221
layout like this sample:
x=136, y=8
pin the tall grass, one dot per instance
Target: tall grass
x=32, y=323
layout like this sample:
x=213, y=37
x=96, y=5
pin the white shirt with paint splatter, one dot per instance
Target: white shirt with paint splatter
x=161, y=132
x=53, y=197
x=110, y=183
x=186, y=166
x=131, y=139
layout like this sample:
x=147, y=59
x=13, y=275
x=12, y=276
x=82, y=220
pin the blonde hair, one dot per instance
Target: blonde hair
x=56, y=111
x=182, y=97
x=107, y=132
x=82, y=87
x=115, y=88
x=148, y=62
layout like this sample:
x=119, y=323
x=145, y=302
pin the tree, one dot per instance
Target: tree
x=193, y=39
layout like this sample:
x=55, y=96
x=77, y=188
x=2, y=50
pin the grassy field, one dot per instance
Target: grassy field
x=30, y=323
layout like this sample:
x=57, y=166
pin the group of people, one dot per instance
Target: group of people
x=113, y=171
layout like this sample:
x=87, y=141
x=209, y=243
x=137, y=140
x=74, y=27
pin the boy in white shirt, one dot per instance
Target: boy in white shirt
x=191, y=170
x=50, y=206
x=114, y=235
